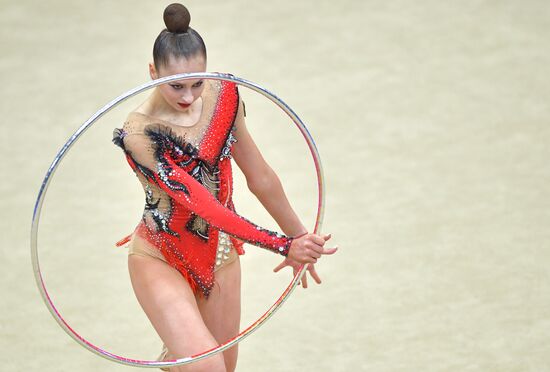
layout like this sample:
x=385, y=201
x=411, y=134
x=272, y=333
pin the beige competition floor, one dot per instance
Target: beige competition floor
x=433, y=123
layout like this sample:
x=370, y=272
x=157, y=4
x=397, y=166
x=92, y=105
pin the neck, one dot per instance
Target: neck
x=157, y=107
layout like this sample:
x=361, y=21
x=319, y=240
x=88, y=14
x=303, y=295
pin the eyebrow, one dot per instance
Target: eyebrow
x=190, y=82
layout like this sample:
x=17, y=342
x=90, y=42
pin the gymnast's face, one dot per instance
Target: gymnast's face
x=180, y=94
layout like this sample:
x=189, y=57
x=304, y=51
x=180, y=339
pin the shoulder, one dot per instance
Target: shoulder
x=215, y=88
x=136, y=125
x=227, y=95
x=136, y=122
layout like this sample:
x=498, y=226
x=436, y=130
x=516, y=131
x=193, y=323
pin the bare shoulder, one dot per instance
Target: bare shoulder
x=136, y=122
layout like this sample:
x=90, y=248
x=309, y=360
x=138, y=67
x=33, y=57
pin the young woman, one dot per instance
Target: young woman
x=184, y=253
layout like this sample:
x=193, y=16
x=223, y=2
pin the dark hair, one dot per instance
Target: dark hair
x=177, y=39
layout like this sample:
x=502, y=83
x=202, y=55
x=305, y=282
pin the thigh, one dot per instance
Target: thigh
x=221, y=312
x=170, y=305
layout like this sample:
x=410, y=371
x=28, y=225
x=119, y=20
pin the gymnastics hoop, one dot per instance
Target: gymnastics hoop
x=88, y=123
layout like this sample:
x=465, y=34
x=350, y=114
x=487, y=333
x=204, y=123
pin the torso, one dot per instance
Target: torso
x=185, y=240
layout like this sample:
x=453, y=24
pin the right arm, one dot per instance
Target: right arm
x=160, y=168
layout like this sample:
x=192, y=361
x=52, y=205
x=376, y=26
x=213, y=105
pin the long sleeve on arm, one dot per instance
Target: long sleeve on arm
x=154, y=159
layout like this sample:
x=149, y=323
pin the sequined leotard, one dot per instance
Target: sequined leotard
x=186, y=175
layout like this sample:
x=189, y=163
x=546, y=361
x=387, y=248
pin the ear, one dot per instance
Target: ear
x=153, y=71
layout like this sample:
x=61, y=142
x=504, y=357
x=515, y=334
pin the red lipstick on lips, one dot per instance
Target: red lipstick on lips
x=184, y=105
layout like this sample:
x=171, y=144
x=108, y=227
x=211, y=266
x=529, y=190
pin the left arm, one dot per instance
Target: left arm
x=264, y=183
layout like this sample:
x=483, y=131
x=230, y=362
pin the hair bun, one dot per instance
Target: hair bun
x=177, y=18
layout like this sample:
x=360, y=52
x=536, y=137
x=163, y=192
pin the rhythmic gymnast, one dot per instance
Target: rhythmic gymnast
x=183, y=256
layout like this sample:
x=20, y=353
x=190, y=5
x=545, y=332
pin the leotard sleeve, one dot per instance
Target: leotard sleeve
x=155, y=162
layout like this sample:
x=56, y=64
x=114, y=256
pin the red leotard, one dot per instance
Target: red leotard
x=188, y=186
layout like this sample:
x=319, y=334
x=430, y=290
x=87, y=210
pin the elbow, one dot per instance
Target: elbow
x=260, y=184
x=257, y=185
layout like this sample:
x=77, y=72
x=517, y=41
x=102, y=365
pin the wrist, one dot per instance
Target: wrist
x=294, y=229
x=284, y=249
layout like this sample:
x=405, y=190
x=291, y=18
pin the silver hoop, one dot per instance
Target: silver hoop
x=49, y=174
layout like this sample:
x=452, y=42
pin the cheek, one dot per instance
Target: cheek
x=168, y=92
x=198, y=92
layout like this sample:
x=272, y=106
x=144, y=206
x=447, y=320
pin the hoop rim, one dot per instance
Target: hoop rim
x=86, y=125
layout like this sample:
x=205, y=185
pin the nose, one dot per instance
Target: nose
x=187, y=97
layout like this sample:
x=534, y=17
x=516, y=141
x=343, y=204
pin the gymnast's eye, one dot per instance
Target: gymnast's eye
x=176, y=86
x=198, y=84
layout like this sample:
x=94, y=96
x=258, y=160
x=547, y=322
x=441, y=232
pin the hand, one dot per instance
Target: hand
x=296, y=267
x=309, y=247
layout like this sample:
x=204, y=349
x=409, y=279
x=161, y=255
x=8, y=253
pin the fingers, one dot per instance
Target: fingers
x=296, y=268
x=310, y=260
x=279, y=267
x=314, y=252
x=304, y=281
x=320, y=239
x=314, y=274
x=309, y=256
x=317, y=239
x=317, y=251
x=316, y=242
x=330, y=250
x=309, y=248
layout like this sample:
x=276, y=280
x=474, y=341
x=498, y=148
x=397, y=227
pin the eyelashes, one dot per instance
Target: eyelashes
x=198, y=84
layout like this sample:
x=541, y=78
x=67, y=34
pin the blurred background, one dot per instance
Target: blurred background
x=432, y=120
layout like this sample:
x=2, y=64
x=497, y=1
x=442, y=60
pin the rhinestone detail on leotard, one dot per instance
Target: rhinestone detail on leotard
x=189, y=214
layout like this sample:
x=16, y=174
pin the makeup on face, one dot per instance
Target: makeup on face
x=180, y=95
